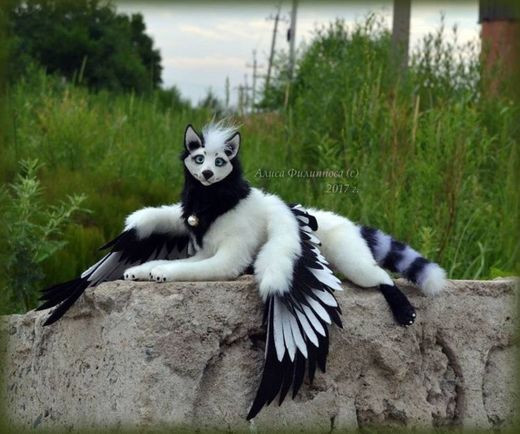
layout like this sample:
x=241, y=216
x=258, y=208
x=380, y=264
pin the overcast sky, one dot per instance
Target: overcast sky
x=202, y=44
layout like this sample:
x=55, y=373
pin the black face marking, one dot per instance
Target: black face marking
x=194, y=141
x=193, y=146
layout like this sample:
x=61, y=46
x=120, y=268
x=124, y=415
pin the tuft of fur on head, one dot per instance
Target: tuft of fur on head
x=216, y=134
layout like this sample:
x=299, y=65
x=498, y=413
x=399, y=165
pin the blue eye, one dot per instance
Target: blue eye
x=199, y=159
x=219, y=162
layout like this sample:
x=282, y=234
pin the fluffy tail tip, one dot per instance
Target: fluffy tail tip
x=434, y=280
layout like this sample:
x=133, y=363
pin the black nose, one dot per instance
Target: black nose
x=207, y=174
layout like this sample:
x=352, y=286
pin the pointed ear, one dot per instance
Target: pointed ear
x=192, y=140
x=232, y=145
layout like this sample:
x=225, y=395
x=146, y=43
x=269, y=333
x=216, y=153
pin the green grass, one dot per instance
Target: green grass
x=425, y=157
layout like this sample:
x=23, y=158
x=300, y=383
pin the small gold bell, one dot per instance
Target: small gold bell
x=193, y=220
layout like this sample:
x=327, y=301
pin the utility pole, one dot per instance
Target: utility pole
x=401, y=33
x=246, y=88
x=291, y=37
x=255, y=67
x=227, y=92
x=276, y=19
x=240, y=105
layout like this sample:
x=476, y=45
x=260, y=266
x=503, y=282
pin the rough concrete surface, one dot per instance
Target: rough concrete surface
x=135, y=354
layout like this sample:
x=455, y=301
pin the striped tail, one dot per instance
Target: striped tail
x=401, y=258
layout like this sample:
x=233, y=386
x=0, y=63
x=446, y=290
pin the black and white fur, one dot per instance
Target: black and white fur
x=222, y=227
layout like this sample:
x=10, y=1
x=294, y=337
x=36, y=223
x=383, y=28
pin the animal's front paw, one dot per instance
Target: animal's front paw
x=162, y=273
x=140, y=272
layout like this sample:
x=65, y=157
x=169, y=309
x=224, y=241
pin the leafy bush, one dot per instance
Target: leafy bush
x=171, y=99
x=31, y=234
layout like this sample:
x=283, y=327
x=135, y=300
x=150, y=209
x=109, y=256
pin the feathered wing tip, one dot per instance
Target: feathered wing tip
x=63, y=295
x=297, y=322
x=126, y=250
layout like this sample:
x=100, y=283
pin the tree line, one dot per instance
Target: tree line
x=85, y=41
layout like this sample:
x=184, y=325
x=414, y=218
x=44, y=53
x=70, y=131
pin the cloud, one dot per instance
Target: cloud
x=228, y=30
x=204, y=62
x=199, y=31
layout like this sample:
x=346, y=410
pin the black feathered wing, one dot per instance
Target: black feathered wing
x=126, y=250
x=297, y=322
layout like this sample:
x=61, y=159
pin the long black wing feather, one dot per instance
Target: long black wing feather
x=126, y=250
x=297, y=321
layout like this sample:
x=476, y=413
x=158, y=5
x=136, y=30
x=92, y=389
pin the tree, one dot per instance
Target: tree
x=212, y=102
x=83, y=40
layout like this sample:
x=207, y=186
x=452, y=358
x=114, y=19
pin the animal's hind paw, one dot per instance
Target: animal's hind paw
x=405, y=315
x=402, y=309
